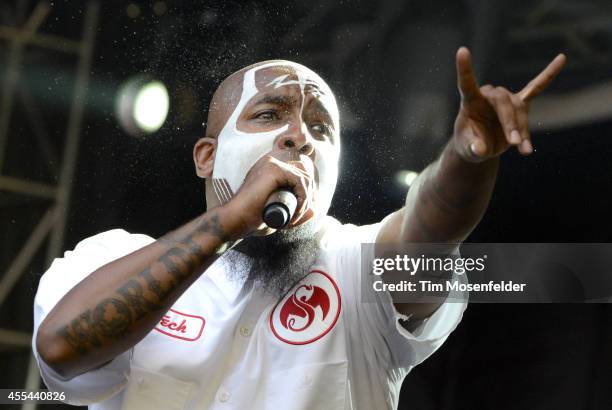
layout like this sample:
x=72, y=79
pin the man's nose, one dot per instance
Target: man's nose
x=297, y=138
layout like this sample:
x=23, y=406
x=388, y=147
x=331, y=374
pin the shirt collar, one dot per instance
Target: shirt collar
x=229, y=283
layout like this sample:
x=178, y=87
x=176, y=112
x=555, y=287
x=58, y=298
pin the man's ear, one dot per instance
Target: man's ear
x=204, y=156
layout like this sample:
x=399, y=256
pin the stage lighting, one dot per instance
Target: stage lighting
x=142, y=106
x=406, y=177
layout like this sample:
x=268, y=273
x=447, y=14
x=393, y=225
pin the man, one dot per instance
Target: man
x=187, y=321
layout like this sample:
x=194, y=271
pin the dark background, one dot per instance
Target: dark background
x=391, y=64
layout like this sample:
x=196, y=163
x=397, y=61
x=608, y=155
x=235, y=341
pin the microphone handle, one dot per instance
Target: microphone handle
x=279, y=208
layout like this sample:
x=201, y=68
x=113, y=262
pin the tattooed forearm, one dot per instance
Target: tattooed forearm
x=209, y=225
x=213, y=226
x=80, y=334
x=448, y=199
x=150, y=291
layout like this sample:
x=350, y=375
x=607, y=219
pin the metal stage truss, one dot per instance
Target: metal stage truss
x=51, y=226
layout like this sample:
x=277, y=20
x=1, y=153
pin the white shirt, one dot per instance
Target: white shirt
x=225, y=344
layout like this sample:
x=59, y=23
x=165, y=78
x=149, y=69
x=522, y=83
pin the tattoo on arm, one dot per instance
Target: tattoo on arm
x=144, y=293
x=432, y=196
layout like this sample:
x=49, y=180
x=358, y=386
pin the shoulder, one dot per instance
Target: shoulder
x=114, y=240
x=87, y=256
x=99, y=249
x=339, y=235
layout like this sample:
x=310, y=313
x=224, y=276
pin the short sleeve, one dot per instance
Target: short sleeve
x=63, y=274
x=374, y=316
x=408, y=349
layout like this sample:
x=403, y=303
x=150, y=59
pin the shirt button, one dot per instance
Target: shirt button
x=245, y=331
x=140, y=381
x=307, y=380
x=224, y=396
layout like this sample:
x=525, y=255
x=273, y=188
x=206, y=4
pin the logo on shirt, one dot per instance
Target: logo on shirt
x=308, y=311
x=181, y=325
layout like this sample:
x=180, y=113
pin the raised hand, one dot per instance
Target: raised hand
x=491, y=119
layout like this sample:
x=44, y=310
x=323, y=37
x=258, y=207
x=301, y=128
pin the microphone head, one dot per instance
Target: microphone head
x=276, y=216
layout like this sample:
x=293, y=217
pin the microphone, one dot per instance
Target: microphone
x=279, y=208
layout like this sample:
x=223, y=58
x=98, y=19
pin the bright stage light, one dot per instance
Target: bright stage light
x=151, y=106
x=406, y=178
x=142, y=106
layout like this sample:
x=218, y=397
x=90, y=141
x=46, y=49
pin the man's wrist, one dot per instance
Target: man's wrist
x=459, y=152
x=234, y=220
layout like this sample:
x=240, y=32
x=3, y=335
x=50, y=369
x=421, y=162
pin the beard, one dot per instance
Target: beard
x=276, y=261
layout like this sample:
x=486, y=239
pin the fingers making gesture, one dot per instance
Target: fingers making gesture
x=491, y=119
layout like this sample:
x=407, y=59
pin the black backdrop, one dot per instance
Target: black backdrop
x=555, y=356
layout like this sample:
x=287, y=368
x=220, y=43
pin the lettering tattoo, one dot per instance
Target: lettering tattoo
x=144, y=293
x=432, y=196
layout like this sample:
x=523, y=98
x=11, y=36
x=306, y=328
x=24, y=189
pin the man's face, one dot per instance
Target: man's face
x=288, y=111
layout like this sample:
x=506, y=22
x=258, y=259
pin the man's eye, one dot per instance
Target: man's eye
x=267, y=115
x=320, y=129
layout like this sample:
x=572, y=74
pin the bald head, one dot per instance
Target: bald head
x=276, y=108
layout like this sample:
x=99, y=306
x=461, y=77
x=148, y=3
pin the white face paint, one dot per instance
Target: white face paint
x=238, y=151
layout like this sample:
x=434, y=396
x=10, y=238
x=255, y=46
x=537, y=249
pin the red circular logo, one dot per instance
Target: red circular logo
x=308, y=311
